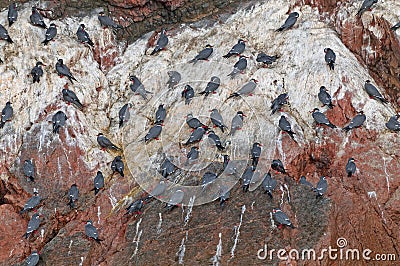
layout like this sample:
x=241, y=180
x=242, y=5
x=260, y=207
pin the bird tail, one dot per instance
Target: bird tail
x=121, y=123
x=116, y=148
x=382, y=100
x=330, y=106
x=78, y=104
x=331, y=65
x=9, y=39
x=359, y=13
x=232, y=133
x=292, y=226
x=269, y=194
x=2, y=124
x=394, y=28
x=98, y=240
x=10, y=22
x=331, y=125
x=280, y=29
x=71, y=203
x=36, y=78
x=23, y=211
x=26, y=235
x=71, y=78
x=90, y=42
x=96, y=190
x=220, y=147
x=349, y=174
x=155, y=51
x=45, y=42
x=56, y=129
x=31, y=178
x=245, y=188
x=346, y=129
x=291, y=134
x=254, y=161
x=122, y=173
x=318, y=196
x=235, y=94
x=227, y=55
x=193, y=61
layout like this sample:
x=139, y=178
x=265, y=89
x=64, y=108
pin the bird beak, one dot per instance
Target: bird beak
x=256, y=81
x=244, y=115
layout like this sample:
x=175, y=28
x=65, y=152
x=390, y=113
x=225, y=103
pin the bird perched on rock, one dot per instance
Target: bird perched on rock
x=12, y=14
x=98, y=182
x=322, y=187
x=196, y=136
x=277, y=165
x=396, y=26
x=91, y=231
x=255, y=153
x=367, y=4
x=303, y=181
x=193, y=122
x=373, y=92
x=237, y=122
x=284, y=125
x=356, y=122
x=174, y=79
x=58, y=120
x=167, y=168
x=161, y=42
x=278, y=102
x=6, y=114
x=73, y=195
x=138, y=88
x=215, y=140
x=324, y=97
x=239, y=66
x=106, y=21
x=350, y=167
x=203, y=54
x=266, y=59
x=70, y=97
x=188, y=93
x=217, y=120
x=269, y=184
x=154, y=133
x=83, y=36
x=281, y=218
x=32, y=202
x=135, y=207
x=321, y=119
x=330, y=58
x=192, y=155
x=161, y=114
x=247, y=176
x=33, y=259
x=212, y=86
x=105, y=143
x=124, y=114
x=4, y=34
x=237, y=49
x=29, y=170
x=33, y=225
x=37, y=72
x=37, y=19
x=247, y=89
x=290, y=21
x=393, y=123
x=117, y=165
x=51, y=33
x=63, y=70
x=175, y=199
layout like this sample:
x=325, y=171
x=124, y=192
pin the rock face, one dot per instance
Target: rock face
x=362, y=209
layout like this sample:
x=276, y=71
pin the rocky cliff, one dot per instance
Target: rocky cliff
x=363, y=209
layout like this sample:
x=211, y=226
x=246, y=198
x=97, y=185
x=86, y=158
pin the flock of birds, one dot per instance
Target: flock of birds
x=167, y=168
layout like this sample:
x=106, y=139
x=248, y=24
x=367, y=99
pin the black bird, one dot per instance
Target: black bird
x=83, y=36
x=255, y=153
x=239, y=66
x=277, y=165
x=215, y=140
x=91, y=232
x=154, y=133
x=356, y=122
x=192, y=155
x=196, y=136
x=203, y=54
x=266, y=59
x=224, y=194
x=12, y=14
x=174, y=79
x=73, y=195
x=124, y=114
x=4, y=34
x=70, y=97
x=167, y=168
x=117, y=165
x=63, y=70
x=105, y=143
x=193, y=122
x=137, y=87
x=330, y=58
x=304, y=182
x=281, y=218
x=31, y=203
x=373, y=92
x=211, y=87
x=175, y=199
x=237, y=122
x=278, y=102
x=247, y=89
x=98, y=182
x=269, y=184
x=33, y=225
x=207, y=178
x=237, y=49
x=33, y=259
x=322, y=187
x=29, y=170
x=321, y=119
x=284, y=125
x=367, y=4
x=37, y=72
x=217, y=120
x=58, y=120
x=51, y=33
x=393, y=123
x=6, y=114
x=135, y=207
x=188, y=94
x=161, y=42
x=106, y=21
x=161, y=114
x=350, y=167
x=247, y=176
x=37, y=19
x=324, y=97
x=396, y=26
x=290, y=21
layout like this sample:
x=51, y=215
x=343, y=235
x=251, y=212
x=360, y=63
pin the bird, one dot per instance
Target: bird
x=105, y=143
x=269, y=184
x=255, y=153
x=124, y=114
x=117, y=165
x=304, y=182
x=37, y=72
x=289, y=22
x=12, y=14
x=196, y=136
x=187, y=93
x=31, y=203
x=373, y=92
x=217, y=120
x=4, y=34
x=229, y=167
x=321, y=119
x=247, y=89
x=154, y=133
x=70, y=97
x=33, y=225
x=247, y=176
x=175, y=199
x=98, y=182
x=350, y=167
x=356, y=122
x=214, y=138
x=135, y=207
x=237, y=122
x=106, y=21
x=51, y=33
x=161, y=114
x=396, y=26
x=203, y=54
x=367, y=4
x=174, y=79
x=29, y=170
x=91, y=231
x=239, y=66
x=73, y=195
x=237, y=49
x=167, y=168
x=33, y=259
x=63, y=70
x=330, y=58
x=211, y=87
x=83, y=36
x=277, y=165
x=324, y=97
x=58, y=120
x=192, y=155
x=393, y=123
x=224, y=194
x=278, y=102
x=266, y=59
x=137, y=87
x=207, y=178
x=193, y=122
x=281, y=218
x=6, y=114
x=161, y=42
x=37, y=19
x=284, y=125
x=322, y=187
